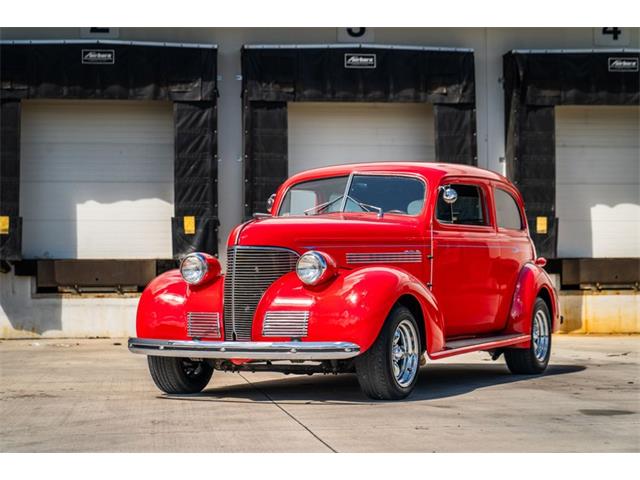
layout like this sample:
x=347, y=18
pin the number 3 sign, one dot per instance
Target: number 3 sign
x=355, y=35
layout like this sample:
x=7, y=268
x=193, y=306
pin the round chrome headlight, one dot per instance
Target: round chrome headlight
x=314, y=268
x=193, y=268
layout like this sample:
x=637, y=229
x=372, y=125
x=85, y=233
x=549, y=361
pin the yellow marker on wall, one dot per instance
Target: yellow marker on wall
x=4, y=225
x=189, y=224
x=541, y=224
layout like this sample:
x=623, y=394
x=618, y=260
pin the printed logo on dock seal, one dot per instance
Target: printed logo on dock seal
x=359, y=60
x=623, y=64
x=99, y=57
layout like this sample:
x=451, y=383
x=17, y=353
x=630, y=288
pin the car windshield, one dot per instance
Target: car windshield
x=366, y=193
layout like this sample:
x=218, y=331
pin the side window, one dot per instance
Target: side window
x=507, y=211
x=468, y=209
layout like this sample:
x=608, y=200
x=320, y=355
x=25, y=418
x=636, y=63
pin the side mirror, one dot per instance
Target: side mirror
x=449, y=195
x=270, y=201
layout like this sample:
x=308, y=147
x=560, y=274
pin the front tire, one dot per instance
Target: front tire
x=179, y=375
x=533, y=360
x=389, y=369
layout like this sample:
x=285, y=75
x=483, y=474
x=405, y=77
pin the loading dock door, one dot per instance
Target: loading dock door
x=327, y=133
x=96, y=179
x=598, y=181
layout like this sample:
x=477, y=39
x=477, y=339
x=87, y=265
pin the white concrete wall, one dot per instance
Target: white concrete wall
x=24, y=314
x=605, y=312
x=17, y=307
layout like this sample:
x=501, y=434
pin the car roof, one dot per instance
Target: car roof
x=433, y=172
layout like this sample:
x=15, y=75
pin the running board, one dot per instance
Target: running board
x=456, y=347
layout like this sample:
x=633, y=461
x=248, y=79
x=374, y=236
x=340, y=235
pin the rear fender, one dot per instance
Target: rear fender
x=532, y=282
x=163, y=306
x=352, y=307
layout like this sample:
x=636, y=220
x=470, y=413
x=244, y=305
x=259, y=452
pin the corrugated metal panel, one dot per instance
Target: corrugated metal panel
x=598, y=181
x=322, y=134
x=97, y=179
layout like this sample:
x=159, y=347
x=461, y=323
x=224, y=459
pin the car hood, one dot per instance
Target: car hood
x=334, y=233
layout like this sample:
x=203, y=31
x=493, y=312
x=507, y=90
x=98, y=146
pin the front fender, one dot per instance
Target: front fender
x=163, y=306
x=352, y=307
x=532, y=282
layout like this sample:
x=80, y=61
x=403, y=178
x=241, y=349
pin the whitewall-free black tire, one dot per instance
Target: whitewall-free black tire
x=389, y=369
x=179, y=375
x=533, y=360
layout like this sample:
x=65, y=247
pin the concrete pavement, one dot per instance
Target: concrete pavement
x=92, y=395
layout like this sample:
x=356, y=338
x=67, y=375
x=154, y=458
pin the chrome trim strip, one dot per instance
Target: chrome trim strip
x=408, y=256
x=452, y=245
x=364, y=245
x=257, y=247
x=249, y=350
x=496, y=342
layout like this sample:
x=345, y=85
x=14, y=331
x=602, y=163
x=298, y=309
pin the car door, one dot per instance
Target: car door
x=465, y=250
x=515, y=246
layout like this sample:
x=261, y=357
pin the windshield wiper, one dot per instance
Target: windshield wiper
x=365, y=206
x=318, y=208
x=368, y=207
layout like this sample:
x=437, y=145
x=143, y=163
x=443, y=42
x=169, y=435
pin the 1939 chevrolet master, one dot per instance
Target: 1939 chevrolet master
x=358, y=268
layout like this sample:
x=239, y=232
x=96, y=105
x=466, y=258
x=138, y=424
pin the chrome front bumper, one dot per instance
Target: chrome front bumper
x=250, y=350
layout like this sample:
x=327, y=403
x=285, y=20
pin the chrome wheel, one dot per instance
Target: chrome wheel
x=541, y=335
x=405, y=353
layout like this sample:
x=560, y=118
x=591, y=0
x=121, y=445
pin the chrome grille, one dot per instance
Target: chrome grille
x=203, y=325
x=250, y=271
x=285, y=324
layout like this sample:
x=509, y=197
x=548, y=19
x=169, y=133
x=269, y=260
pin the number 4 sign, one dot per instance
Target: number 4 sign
x=611, y=36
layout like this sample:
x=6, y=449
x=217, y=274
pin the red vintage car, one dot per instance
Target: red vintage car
x=361, y=268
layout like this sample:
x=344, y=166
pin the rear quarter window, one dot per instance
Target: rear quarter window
x=507, y=211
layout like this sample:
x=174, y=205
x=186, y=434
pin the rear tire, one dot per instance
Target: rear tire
x=533, y=360
x=389, y=369
x=179, y=375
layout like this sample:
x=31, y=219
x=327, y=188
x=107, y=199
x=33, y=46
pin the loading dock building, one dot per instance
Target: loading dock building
x=124, y=149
